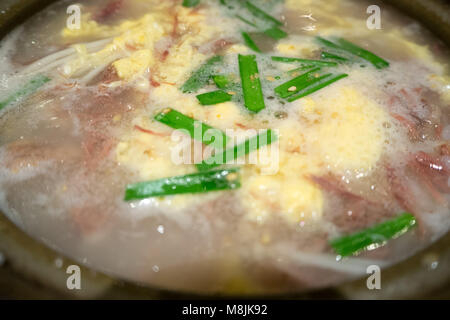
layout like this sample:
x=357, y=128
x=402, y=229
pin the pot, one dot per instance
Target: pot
x=31, y=270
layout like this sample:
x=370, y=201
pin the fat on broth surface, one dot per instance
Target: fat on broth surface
x=354, y=154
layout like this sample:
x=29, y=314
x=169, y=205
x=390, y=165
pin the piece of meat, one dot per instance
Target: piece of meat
x=433, y=172
x=216, y=46
x=355, y=211
x=431, y=162
x=26, y=153
x=408, y=124
x=423, y=174
x=107, y=76
x=415, y=110
x=109, y=10
x=431, y=182
x=331, y=184
x=399, y=188
x=88, y=219
x=96, y=147
x=98, y=108
x=444, y=149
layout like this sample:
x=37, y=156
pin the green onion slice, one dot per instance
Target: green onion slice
x=201, y=76
x=328, y=43
x=373, y=237
x=332, y=56
x=293, y=86
x=201, y=182
x=251, y=84
x=190, y=3
x=233, y=88
x=179, y=121
x=246, y=21
x=240, y=150
x=34, y=84
x=319, y=83
x=258, y=13
x=221, y=81
x=344, y=45
x=295, y=72
x=275, y=33
x=305, y=62
x=250, y=43
x=378, y=62
x=213, y=97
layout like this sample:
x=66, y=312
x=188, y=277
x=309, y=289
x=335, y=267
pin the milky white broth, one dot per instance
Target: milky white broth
x=354, y=154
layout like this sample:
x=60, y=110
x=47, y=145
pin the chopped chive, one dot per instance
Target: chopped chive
x=201, y=76
x=251, y=84
x=318, y=63
x=177, y=120
x=344, y=45
x=373, y=237
x=258, y=13
x=378, y=62
x=222, y=82
x=226, y=82
x=300, y=69
x=246, y=21
x=30, y=87
x=240, y=150
x=336, y=52
x=295, y=85
x=250, y=43
x=328, y=43
x=321, y=82
x=213, y=97
x=331, y=56
x=275, y=33
x=190, y=3
x=201, y=182
x=310, y=85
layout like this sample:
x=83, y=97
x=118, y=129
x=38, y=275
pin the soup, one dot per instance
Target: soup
x=234, y=147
